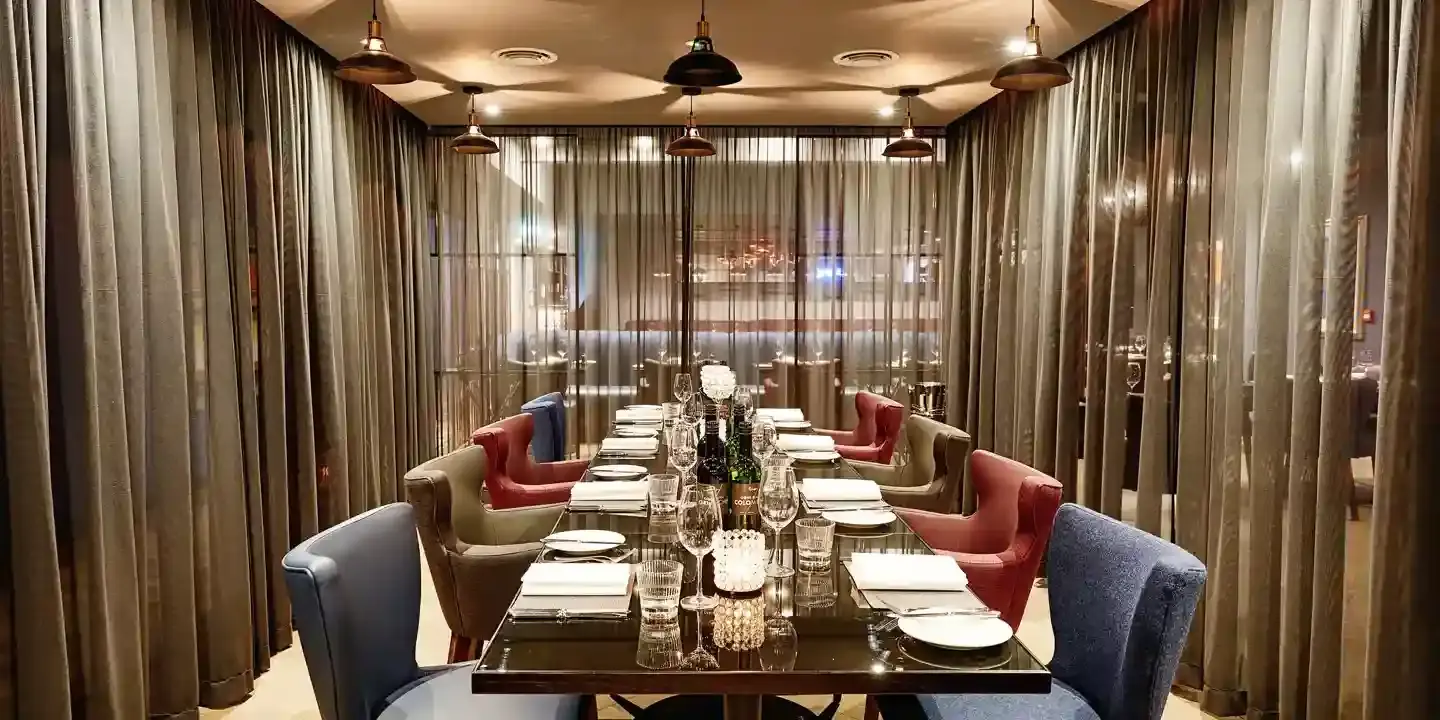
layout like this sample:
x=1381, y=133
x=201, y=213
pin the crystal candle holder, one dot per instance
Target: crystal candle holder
x=740, y=623
x=739, y=560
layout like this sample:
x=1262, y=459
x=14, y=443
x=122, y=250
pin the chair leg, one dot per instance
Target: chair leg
x=462, y=649
x=589, y=708
x=872, y=708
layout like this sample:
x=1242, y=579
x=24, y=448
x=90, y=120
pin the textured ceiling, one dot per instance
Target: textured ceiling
x=612, y=54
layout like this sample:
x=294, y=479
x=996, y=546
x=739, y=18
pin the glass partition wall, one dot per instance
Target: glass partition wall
x=560, y=265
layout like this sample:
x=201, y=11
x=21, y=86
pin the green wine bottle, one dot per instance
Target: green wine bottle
x=744, y=482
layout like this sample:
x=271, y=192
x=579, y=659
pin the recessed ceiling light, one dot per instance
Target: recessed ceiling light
x=885, y=111
x=865, y=58
x=523, y=56
x=492, y=110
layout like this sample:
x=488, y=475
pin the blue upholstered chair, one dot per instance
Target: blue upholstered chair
x=355, y=589
x=1121, y=602
x=548, y=443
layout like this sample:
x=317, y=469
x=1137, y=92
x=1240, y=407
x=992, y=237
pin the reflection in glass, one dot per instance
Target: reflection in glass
x=815, y=589
x=658, y=647
x=699, y=658
x=779, y=646
x=740, y=623
x=1132, y=374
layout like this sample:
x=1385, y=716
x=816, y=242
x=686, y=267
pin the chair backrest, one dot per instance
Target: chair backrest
x=548, y=415
x=355, y=590
x=937, y=452
x=1121, y=602
x=464, y=470
x=507, y=445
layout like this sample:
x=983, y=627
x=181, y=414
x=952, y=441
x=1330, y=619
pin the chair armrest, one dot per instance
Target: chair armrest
x=864, y=453
x=925, y=497
x=522, y=524
x=486, y=578
x=842, y=437
x=880, y=474
x=940, y=531
x=566, y=471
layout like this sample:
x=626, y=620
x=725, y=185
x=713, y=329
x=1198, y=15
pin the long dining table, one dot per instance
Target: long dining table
x=842, y=646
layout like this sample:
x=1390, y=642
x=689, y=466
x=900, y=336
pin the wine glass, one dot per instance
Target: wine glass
x=764, y=441
x=779, y=503
x=699, y=519
x=683, y=454
x=779, y=647
x=684, y=388
x=1132, y=374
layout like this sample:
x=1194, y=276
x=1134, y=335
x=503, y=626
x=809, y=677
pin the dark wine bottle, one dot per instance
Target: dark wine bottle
x=713, y=467
x=744, y=483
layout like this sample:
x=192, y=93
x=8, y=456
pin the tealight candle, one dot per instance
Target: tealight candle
x=739, y=560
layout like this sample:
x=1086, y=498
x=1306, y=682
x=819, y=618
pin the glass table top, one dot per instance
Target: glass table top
x=841, y=645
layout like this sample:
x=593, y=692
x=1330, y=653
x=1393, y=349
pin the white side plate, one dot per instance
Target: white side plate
x=584, y=542
x=814, y=455
x=860, y=518
x=957, y=632
x=617, y=472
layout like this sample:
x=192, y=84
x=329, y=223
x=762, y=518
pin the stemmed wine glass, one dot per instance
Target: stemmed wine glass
x=779, y=503
x=1132, y=374
x=684, y=388
x=764, y=441
x=683, y=455
x=699, y=520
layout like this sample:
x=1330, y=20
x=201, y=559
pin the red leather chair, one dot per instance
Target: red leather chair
x=1000, y=545
x=515, y=479
x=874, y=437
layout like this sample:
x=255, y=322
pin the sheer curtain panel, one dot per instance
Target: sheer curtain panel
x=211, y=263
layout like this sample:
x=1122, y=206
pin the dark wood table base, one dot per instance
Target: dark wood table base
x=730, y=707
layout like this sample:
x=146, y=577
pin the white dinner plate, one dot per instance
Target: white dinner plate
x=584, y=542
x=792, y=424
x=617, y=472
x=636, y=431
x=859, y=518
x=814, y=455
x=957, y=632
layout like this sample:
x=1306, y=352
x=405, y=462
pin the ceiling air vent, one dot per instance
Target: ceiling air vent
x=524, y=56
x=865, y=58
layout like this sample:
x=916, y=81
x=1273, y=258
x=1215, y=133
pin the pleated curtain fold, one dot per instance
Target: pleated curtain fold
x=213, y=338
x=1154, y=279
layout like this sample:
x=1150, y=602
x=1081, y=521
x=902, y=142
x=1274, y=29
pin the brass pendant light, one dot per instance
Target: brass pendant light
x=702, y=66
x=373, y=64
x=473, y=141
x=690, y=144
x=1033, y=70
x=909, y=146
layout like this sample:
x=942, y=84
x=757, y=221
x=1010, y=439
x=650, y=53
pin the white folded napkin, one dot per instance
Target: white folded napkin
x=639, y=415
x=792, y=443
x=890, y=571
x=833, y=489
x=633, y=490
x=576, y=579
x=782, y=414
x=630, y=444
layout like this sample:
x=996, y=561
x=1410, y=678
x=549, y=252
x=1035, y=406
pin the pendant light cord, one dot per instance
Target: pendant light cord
x=1032, y=12
x=375, y=9
x=702, y=10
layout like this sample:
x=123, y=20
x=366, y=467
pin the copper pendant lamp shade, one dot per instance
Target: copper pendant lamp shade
x=908, y=146
x=702, y=66
x=1033, y=70
x=373, y=64
x=690, y=144
x=474, y=141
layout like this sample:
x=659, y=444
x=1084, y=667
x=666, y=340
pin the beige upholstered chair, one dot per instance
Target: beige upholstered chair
x=931, y=480
x=476, y=553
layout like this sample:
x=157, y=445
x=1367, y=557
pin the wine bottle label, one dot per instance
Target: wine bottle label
x=743, y=498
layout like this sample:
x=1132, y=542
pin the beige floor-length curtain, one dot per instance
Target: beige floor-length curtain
x=815, y=270
x=1403, y=654
x=1155, y=272
x=210, y=346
